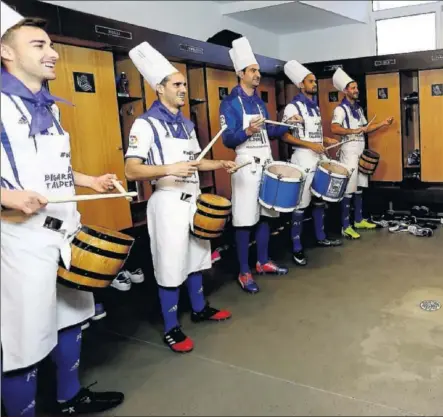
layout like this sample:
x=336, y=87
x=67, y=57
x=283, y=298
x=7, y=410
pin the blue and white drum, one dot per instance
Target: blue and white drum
x=330, y=181
x=281, y=186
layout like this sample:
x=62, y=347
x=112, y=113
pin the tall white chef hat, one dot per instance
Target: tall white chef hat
x=241, y=54
x=296, y=72
x=340, y=79
x=151, y=64
x=9, y=18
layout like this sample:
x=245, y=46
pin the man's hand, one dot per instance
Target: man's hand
x=28, y=202
x=295, y=119
x=330, y=141
x=103, y=183
x=317, y=148
x=255, y=126
x=388, y=121
x=228, y=165
x=183, y=169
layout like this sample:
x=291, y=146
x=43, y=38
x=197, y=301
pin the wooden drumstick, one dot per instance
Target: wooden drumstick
x=371, y=121
x=120, y=188
x=339, y=144
x=234, y=170
x=210, y=144
x=280, y=123
x=89, y=197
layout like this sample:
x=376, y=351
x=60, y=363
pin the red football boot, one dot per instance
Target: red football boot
x=210, y=314
x=178, y=341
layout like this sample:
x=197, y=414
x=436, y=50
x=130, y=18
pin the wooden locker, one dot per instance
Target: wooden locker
x=219, y=79
x=93, y=124
x=431, y=124
x=151, y=96
x=387, y=141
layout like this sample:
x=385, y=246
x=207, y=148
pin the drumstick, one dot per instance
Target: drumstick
x=371, y=121
x=280, y=123
x=88, y=197
x=120, y=188
x=339, y=143
x=234, y=170
x=210, y=144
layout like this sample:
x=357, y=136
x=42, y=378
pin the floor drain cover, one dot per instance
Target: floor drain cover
x=430, y=305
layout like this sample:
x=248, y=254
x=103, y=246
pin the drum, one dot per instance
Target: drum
x=97, y=256
x=368, y=162
x=281, y=186
x=330, y=181
x=211, y=216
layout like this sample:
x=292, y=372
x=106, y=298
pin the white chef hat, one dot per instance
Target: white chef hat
x=9, y=18
x=151, y=64
x=340, y=79
x=241, y=54
x=296, y=72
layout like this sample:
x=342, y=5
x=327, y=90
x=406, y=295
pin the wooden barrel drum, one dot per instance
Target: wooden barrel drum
x=211, y=216
x=368, y=162
x=98, y=254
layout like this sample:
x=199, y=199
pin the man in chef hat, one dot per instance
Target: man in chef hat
x=307, y=140
x=349, y=122
x=38, y=316
x=243, y=113
x=163, y=147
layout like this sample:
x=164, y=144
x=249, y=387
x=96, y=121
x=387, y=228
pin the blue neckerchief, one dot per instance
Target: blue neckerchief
x=354, y=108
x=311, y=105
x=255, y=99
x=160, y=112
x=37, y=104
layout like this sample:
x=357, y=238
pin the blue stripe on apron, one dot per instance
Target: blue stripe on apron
x=7, y=146
x=157, y=141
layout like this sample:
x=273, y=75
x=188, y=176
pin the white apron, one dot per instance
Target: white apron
x=33, y=306
x=305, y=158
x=170, y=210
x=350, y=154
x=246, y=210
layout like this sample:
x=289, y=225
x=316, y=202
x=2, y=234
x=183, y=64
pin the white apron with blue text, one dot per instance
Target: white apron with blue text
x=246, y=210
x=170, y=211
x=33, y=306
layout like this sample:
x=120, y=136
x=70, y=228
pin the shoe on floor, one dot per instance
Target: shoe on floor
x=178, y=341
x=299, y=258
x=247, y=283
x=122, y=281
x=87, y=402
x=329, y=242
x=100, y=312
x=350, y=233
x=271, y=267
x=215, y=256
x=85, y=325
x=210, y=314
x=364, y=224
x=137, y=277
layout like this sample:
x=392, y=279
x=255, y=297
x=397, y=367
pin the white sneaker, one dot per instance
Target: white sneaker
x=137, y=276
x=122, y=281
x=85, y=325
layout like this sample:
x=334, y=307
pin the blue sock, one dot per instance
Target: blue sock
x=345, y=211
x=358, y=207
x=169, y=304
x=66, y=356
x=262, y=235
x=318, y=214
x=296, y=229
x=195, y=289
x=242, y=243
x=19, y=389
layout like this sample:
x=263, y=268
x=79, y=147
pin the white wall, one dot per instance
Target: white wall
x=194, y=19
x=349, y=41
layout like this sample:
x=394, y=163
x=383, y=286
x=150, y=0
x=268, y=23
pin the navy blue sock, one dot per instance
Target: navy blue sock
x=297, y=229
x=169, y=304
x=358, y=207
x=318, y=214
x=66, y=356
x=345, y=211
x=195, y=289
x=262, y=237
x=242, y=243
x=19, y=389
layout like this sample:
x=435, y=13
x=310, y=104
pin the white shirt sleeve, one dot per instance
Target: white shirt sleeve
x=141, y=138
x=338, y=117
x=291, y=110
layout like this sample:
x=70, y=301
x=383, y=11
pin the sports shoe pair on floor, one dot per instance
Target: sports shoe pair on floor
x=124, y=280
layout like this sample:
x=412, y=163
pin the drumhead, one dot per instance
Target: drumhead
x=335, y=168
x=285, y=170
x=214, y=200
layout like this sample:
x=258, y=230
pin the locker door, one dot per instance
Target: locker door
x=266, y=90
x=383, y=99
x=431, y=124
x=94, y=128
x=219, y=79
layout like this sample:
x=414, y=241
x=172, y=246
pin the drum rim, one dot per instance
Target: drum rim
x=277, y=208
x=334, y=174
x=295, y=180
x=371, y=152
